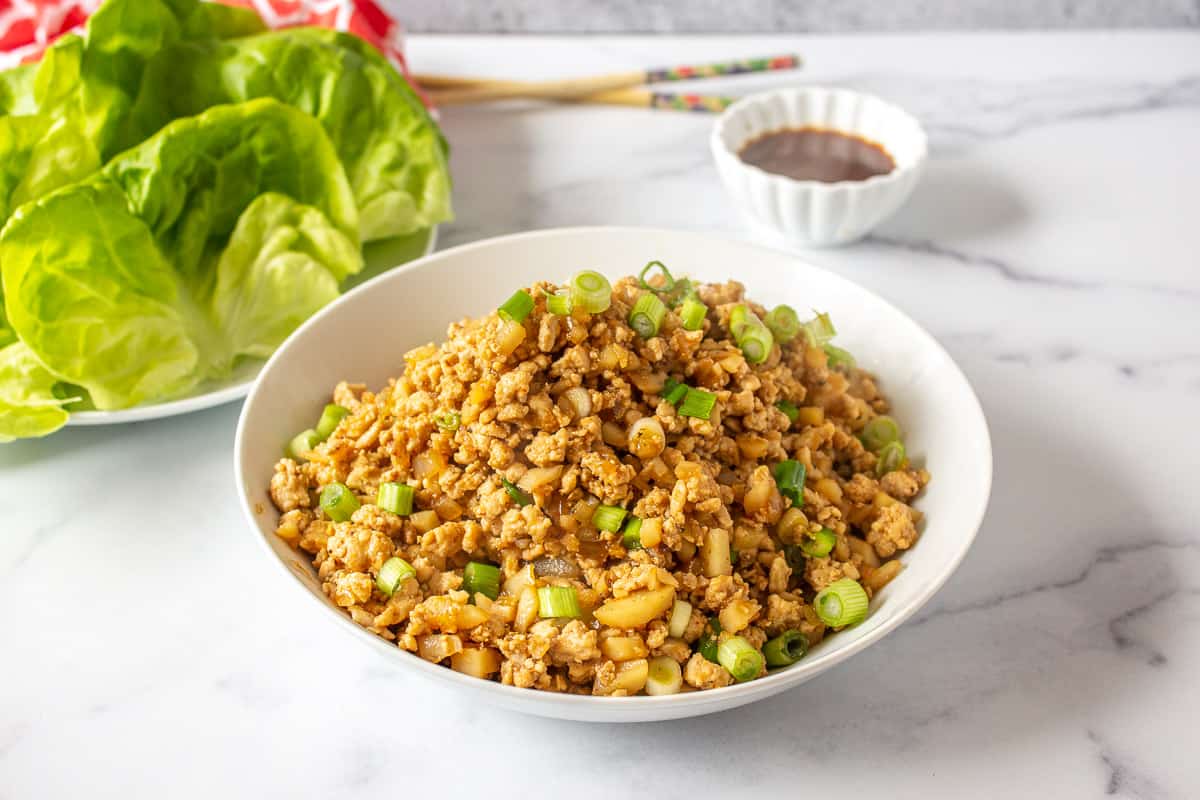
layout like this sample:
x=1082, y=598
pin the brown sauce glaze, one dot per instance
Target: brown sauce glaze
x=817, y=154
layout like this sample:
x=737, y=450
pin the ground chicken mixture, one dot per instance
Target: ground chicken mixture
x=546, y=501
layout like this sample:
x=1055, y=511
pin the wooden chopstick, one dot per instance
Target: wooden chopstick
x=448, y=91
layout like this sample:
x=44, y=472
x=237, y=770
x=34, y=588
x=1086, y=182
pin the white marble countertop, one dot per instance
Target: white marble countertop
x=1053, y=247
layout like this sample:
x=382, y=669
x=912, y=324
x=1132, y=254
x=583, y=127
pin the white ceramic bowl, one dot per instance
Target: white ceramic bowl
x=812, y=213
x=363, y=335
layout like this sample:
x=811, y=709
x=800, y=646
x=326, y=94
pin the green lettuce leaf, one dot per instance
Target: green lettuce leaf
x=124, y=283
x=391, y=149
x=283, y=263
x=28, y=404
x=16, y=90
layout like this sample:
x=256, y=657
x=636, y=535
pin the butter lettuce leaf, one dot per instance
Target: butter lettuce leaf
x=392, y=151
x=29, y=405
x=283, y=263
x=126, y=283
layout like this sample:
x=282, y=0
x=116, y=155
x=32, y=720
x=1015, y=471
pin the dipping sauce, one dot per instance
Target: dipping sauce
x=817, y=154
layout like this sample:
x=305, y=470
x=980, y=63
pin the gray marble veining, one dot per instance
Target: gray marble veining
x=147, y=644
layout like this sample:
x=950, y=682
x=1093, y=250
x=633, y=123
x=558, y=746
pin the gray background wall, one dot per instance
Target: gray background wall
x=784, y=16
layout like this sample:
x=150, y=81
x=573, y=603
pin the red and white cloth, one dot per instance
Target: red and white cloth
x=27, y=27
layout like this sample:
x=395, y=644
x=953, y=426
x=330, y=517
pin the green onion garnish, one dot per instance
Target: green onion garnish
x=819, y=544
x=559, y=303
x=396, y=498
x=448, y=421
x=706, y=645
x=785, y=649
x=631, y=537
x=481, y=578
x=878, y=432
x=739, y=320
x=515, y=492
x=609, y=518
x=394, y=572
x=837, y=357
x=890, y=458
x=783, y=323
x=591, y=291
x=841, y=603
x=558, y=601
x=788, y=408
x=692, y=313
x=673, y=391
x=756, y=342
x=330, y=417
x=338, y=502
x=733, y=556
x=517, y=307
x=667, y=286
x=819, y=330
x=302, y=443
x=647, y=315
x=789, y=477
x=697, y=403
x=740, y=658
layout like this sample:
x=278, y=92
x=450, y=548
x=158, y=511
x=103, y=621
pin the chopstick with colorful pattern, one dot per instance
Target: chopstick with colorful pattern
x=458, y=91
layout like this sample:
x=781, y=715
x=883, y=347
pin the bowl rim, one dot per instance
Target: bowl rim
x=512, y=696
x=723, y=151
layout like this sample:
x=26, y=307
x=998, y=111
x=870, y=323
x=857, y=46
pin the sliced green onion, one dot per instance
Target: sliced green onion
x=878, y=432
x=837, y=357
x=663, y=676
x=515, y=492
x=785, y=649
x=890, y=458
x=394, y=572
x=591, y=291
x=517, y=307
x=697, y=403
x=706, y=645
x=783, y=322
x=789, y=408
x=681, y=615
x=740, y=318
x=609, y=518
x=673, y=391
x=396, y=498
x=819, y=544
x=302, y=443
x=841, y=603
x=692, y=313
x=733, y=556
x=338, y=502
x=756, y=342
x=789, y=477
x=559, y=303
x=819, y=330
x=647, y=315
x=740, y=658
x=667, y=286
x=558, y=601
x=481, y=578
x=448, y=421
x=330, y=417
x=631, y=537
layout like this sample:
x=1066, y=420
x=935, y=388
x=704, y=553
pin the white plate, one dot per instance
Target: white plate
x=943, y=422
x=380, y=257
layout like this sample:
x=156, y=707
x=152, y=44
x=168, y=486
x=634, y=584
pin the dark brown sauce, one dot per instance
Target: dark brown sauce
x=817, y=154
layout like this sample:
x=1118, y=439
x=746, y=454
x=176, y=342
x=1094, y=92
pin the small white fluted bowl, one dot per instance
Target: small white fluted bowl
x=812, y=213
